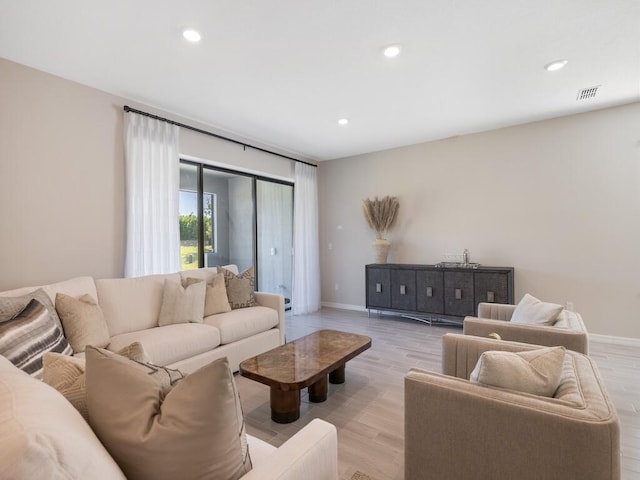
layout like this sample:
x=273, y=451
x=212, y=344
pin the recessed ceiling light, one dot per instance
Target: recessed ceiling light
x=391, y=51
x=191, y=35
x=343, y=121
x=555, y=65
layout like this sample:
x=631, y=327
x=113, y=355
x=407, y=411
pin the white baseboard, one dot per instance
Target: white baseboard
x=628, y=341
x=344, y=306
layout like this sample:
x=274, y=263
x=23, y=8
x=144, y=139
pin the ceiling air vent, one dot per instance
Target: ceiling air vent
x=587, y=93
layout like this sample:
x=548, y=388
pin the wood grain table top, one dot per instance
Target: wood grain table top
x=300, y=363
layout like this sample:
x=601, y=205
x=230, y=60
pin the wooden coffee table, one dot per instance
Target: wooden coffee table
x=305, y=362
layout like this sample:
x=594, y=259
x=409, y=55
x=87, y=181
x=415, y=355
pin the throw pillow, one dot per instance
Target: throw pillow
x=29, y=335
x=536, y=371
x=83, y=321
x=195, y=430
x=182, y=304
x=12, y=306
x=67, y=374
x=216, y=300
x=532, y=311
x=240, y=288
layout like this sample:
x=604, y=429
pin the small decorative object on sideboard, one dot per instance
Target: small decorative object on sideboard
x=381, y=215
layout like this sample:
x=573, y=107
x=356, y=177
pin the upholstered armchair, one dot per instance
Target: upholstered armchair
x=459, y=430
x=568, y=331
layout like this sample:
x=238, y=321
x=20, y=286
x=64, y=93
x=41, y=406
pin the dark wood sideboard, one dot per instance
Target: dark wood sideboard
x=432, y=293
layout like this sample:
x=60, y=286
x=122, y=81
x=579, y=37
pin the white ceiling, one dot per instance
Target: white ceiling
x=283, y=72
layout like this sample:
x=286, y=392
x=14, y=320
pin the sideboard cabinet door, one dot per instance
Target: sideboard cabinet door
x=403, y=290
x=458, y=293
x=430, y=291
x=378, y=287
x=491, y=288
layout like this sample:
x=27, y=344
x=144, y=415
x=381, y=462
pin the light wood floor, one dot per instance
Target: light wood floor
x=368, y=408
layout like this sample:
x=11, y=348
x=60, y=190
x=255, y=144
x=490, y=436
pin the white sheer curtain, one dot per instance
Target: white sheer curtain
x=152, y=184
x=306, y=244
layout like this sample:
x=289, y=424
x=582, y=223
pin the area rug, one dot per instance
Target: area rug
x=360, y=476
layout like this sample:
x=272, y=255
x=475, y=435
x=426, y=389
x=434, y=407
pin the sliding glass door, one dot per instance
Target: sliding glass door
x=230, y=217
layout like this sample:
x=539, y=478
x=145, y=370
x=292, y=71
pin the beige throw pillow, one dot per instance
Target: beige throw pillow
x=240, y=288
x=83, y=321
x=216, y=300
x=66, y=374
x=196, y=430
x=532, y=311
x=182, y=304
x=536, y=371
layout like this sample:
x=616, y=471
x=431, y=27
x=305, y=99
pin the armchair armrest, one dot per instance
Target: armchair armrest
x=275, y=301
x=575, y=340
x=311, y=454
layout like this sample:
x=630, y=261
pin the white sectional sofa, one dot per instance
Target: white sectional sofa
x=131, y=307
x=43, y=436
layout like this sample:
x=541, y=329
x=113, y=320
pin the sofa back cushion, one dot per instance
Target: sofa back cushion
x=74, y=286
x=43, y=435
x=132, y=304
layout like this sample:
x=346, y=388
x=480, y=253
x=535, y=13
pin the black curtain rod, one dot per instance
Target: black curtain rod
x=127, y=108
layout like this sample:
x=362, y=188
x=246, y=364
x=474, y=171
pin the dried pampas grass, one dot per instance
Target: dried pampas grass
x=381, y=214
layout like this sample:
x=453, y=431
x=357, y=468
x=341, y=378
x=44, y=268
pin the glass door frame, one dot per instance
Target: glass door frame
x=200, y=183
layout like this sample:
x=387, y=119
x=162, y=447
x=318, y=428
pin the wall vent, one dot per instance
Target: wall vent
x=587, y=93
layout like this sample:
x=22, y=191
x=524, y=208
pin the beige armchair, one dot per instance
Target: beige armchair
x=569, y=331
x=458, y=430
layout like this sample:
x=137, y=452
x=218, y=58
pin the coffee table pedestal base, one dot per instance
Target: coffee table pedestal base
x=285, y=405
x=318, y=391
x=338, y=375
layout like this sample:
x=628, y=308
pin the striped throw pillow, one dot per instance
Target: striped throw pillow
x=25, y=338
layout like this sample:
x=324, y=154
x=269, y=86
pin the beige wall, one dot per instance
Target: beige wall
x=62, y=200
x=558, y=200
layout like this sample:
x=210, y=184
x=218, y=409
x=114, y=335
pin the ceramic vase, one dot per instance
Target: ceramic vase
x=381, y=249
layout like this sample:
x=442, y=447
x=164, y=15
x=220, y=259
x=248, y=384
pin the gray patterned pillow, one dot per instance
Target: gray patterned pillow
x=25, y=338
x=240, y=288
x=12, y=306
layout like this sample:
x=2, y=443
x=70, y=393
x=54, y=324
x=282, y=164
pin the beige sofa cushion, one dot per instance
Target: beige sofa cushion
x=193, y=430
x=43, y=436
x=242, y=323
x=182, y=304
x=171, y=343
x=216, y=300
x=537, y=372
x=530, y=310
x=132, y=304
x=83, y=321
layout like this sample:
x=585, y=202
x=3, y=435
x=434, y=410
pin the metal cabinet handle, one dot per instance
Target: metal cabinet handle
x=429, y=291
x=378, y=288
x=491, y=297
x=403, y=290
x=458, y=294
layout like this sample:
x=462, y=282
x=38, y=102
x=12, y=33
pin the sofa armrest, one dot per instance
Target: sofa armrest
x=460, y=353
x=456, y=430
x=496, y=311
x=550, y=336
x=275, y=301
x=312, y=454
